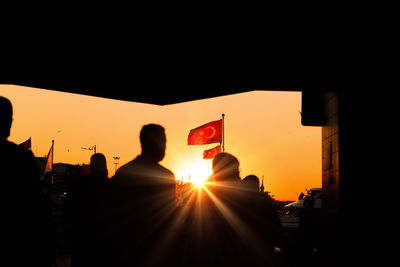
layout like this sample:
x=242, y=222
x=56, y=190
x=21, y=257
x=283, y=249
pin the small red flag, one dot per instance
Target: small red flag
x=49, y=161
x=26, y=144
x=206, y=134
x=211, y=153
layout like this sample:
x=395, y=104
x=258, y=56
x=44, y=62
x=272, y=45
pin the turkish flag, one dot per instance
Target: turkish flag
x=49, y=160
x=206, y=134
x=211, y=153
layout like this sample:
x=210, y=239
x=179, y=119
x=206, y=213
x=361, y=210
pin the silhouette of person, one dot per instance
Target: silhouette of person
x=228, y=224
x=143, y=197
x=98, y=168
x=251, y=183
x=27, y=229
x=90, y=211
x=261, y=214
x=211, y=234
x=225, y=169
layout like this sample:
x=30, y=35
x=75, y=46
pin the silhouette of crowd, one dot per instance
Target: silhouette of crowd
x=132, y=218
x=26, y=224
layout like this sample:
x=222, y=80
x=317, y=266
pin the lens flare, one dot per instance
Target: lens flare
x=196, y=172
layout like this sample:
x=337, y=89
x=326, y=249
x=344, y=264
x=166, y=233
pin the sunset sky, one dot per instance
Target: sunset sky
x=262, y=129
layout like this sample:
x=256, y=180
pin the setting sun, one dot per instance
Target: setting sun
x=195, y=172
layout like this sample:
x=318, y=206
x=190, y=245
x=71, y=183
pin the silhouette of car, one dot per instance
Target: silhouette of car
x=316, y=193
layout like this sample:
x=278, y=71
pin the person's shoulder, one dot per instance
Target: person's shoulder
x=19, y=162
x=8, y=145
x=168, y=173
x=125, y=169
x=13, y=149
x=156, y=168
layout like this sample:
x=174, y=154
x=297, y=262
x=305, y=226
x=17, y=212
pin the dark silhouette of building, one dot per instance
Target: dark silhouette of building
x=262, y=185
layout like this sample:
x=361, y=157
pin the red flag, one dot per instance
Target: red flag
x=26, y=144
x=211, y=153
x=49, y=161
x=206, y=134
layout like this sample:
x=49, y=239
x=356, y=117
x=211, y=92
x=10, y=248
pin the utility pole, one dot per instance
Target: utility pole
x=223, y=132
x=116, y=161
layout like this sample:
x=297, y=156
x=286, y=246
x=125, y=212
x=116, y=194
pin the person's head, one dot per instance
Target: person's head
x=6, y=117
x=251, y=183
x=225, y=168
x=98, y=164
x=153, y=141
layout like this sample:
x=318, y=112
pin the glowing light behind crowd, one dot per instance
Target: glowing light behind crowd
x=262, y=129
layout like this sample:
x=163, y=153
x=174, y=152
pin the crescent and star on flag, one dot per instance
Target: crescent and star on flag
x=209, y=133
x=209, y=136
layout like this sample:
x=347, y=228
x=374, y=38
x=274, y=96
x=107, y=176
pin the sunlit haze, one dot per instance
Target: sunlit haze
x=262, y=129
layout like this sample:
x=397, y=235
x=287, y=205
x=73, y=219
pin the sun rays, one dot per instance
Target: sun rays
x=196, y=172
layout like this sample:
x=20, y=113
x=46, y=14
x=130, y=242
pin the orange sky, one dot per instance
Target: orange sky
x=262, y=129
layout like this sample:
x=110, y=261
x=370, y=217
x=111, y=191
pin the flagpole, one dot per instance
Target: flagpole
x=52, y=154
x=223, y=132
x=52, y=161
